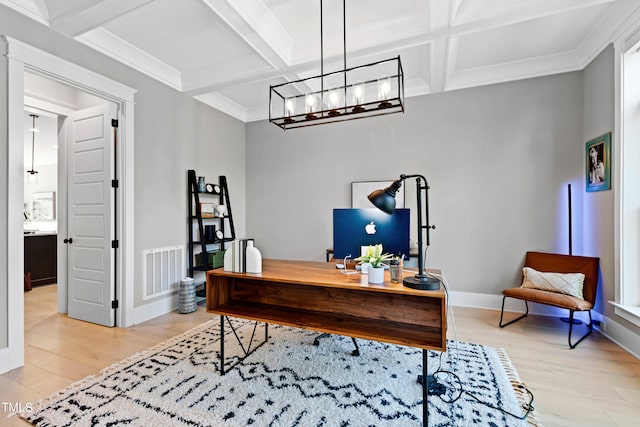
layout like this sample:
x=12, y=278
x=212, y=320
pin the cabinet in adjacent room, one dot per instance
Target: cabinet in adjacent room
x=40, y=258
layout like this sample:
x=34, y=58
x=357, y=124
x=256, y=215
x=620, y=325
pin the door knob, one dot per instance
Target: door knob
x=69, y=240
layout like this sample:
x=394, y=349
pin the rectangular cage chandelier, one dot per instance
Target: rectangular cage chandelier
x=351, y=93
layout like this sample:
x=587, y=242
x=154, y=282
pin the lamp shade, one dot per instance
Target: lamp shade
x=385, y=200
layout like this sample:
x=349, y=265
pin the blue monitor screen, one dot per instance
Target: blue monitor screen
x=353, y=228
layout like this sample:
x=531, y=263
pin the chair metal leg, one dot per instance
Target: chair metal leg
x=317, y=339
x=517, y=318
x=590, y=326
x=355, y=352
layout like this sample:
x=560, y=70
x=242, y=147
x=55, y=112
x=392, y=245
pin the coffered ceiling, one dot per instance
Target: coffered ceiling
x=226, y=53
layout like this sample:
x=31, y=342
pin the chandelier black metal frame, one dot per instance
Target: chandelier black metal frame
x=351, y=93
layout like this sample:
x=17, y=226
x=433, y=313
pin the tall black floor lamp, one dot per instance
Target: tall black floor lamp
x=385, y=200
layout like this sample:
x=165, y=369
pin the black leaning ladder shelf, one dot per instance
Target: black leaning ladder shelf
x=224, y=223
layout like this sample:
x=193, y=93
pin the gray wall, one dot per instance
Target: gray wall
x=177, y=134
x=598, y=118
x=599, y=207
x=4, y=245
x=173, y=133
x=498, y=159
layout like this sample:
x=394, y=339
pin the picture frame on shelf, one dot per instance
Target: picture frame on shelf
x=598, y=163
x=207, y=210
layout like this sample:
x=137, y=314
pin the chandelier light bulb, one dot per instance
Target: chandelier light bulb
x=310, y=103
x=384, y=88
x=290, y=106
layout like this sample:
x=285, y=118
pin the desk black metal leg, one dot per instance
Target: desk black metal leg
x=425, y=387
x=221, y=345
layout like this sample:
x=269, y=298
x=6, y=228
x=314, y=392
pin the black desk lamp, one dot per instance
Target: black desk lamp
x=385, y=200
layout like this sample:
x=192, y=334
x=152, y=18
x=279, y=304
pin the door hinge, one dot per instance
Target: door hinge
x=114, y=303
x=114, y=244
x=114, y=123
x=114, y=183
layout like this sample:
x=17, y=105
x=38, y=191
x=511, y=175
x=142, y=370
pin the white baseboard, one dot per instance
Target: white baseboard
x=152, y=310
x=611, y=329
x=11, y=358
x=620, y=335
x=4, y=361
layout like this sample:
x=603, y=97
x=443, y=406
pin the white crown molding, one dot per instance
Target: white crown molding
x=257, y=114
x=224, y=104
x=416, y=87
x=34, y=9
x=607, y=31
x=247, y=68
x=515, y=70
x=118, y=49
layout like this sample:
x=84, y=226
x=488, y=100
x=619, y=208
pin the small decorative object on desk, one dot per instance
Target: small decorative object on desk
x=221, y=210
x=395, y=269
x=243, y=257
x=201, y=185
x=374, y=256
x=254, y=258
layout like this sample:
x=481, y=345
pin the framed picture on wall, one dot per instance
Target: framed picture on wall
x=44, y=205
x=361, y=189
x=598, y=163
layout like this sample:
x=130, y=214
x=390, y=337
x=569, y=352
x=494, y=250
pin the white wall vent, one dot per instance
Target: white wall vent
x=163, y=269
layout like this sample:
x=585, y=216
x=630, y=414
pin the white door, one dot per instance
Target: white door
x=90, y=169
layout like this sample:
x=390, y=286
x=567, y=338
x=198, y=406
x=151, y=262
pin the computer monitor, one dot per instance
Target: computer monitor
x=354, y=228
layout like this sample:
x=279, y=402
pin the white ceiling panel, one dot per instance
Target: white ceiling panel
x=537, y=38
x=226, y=53
x=188, y=37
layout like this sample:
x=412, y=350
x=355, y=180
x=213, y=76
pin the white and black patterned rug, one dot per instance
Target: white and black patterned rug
x=288, y=382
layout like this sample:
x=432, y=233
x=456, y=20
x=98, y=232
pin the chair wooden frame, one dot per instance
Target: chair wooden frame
x=558, y=263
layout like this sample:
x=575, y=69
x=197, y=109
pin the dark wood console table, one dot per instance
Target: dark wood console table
x=316, y=296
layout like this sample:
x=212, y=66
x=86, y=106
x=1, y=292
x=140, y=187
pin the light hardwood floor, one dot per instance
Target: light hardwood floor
x=596, y=384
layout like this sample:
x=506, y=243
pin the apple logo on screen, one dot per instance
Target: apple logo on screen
x=370, y=228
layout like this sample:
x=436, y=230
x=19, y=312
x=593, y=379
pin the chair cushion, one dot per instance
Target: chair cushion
x=550, y=298
x=563, y=283
x=559, y=263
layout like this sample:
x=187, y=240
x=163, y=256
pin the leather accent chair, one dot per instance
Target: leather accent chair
x=558, y=263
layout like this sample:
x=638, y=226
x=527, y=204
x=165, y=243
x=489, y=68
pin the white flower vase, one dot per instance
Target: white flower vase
x=376, y=275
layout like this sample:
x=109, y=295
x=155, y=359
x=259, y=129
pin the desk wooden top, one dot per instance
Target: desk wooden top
x=325, y=274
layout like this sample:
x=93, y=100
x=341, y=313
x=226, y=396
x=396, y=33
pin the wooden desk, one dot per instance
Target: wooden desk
x=316, y=296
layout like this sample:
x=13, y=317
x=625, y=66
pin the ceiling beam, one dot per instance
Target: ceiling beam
x=440, y=19
x=254, y=23
x=91, y=16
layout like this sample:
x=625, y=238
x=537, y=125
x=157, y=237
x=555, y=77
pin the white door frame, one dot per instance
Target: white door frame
x=23, y=57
